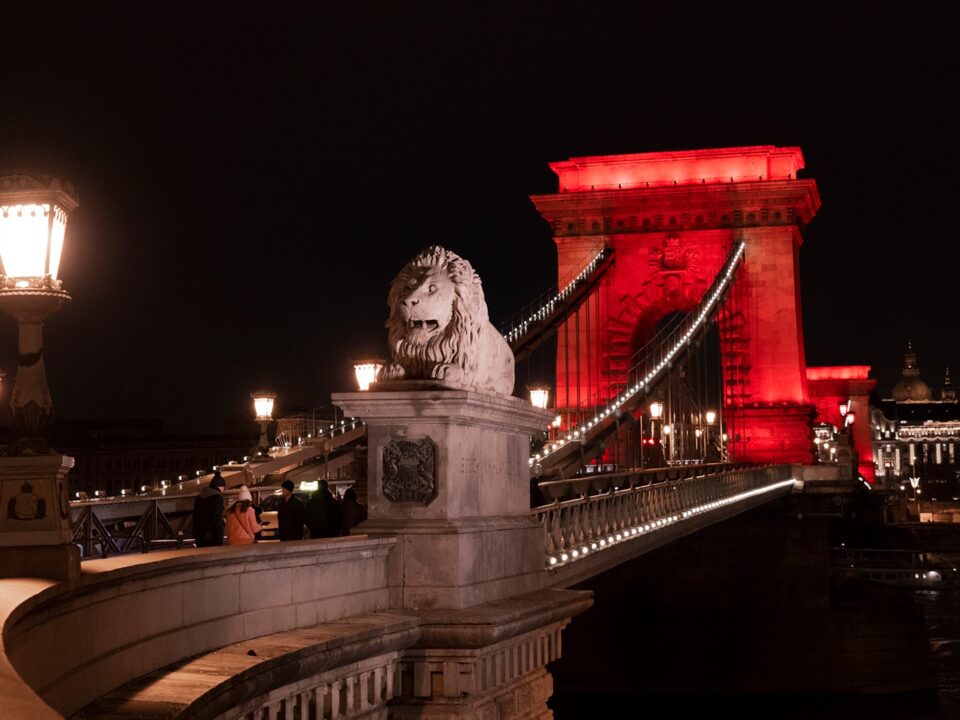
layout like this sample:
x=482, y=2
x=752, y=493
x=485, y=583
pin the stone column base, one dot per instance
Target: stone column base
x=522, y=699
x=35, y=532
x=487, y=662
x=461, y=563
x=56, y=562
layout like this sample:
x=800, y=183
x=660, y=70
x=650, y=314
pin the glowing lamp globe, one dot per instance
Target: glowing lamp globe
x=711, y=417
x=33, y=223
x=843, y=408
x=656, y=410
x=263, y=404
x=540, y=396
x=366, y=371
x=667, y=429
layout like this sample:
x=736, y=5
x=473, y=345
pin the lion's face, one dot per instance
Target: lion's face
x=425, y=304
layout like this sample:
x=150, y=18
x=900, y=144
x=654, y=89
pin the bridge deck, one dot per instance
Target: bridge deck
x=219, y=680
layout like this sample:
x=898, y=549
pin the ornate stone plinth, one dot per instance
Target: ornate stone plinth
x=35, y=533
x=448, y=475
x=487, y=662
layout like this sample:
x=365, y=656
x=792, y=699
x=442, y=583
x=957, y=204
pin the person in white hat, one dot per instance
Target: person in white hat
x=242, y=525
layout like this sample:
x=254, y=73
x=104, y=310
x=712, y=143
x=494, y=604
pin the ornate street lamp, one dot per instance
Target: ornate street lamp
x=33, y=222
x=711, y=417
x=366, y=371
x=36, y=539
x=915, y=484
x=263, y=408
x=539, y=396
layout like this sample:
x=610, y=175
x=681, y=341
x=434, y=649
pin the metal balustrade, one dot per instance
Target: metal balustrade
x=102, y=528
x=606, y=510
x=309, y=428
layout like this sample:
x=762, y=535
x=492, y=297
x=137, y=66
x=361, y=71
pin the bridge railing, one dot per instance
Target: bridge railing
x=530, y=316
x=612, y=509
x=104, y=528
x=311, y=427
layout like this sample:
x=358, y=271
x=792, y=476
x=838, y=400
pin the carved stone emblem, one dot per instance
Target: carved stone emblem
x=26, y=505
x=410, y=471
x=673, y=256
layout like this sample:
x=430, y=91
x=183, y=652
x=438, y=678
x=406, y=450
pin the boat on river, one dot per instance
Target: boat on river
x=906, y=568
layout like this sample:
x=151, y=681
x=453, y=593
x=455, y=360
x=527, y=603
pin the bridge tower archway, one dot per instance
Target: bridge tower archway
x=671, y=219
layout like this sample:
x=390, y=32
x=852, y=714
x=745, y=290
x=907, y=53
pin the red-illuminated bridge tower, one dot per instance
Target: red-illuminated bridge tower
x=671, y=218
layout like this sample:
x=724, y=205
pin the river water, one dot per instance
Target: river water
x=942, y=617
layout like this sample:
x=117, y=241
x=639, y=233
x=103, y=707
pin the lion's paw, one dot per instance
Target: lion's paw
x=393, y=371
x=448, y=372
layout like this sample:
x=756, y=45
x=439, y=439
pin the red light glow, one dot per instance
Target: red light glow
x=739, y=164
x=838, y=372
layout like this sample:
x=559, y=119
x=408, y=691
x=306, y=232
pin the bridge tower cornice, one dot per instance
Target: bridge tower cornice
x=687, y=207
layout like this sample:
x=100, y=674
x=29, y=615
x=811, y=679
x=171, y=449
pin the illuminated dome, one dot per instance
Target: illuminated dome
x=911, y=387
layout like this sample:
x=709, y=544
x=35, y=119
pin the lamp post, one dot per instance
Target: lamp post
x=711, y=417
x=540, y=398
x=35, y=534
x=656, y=412
x=366, y=369
x=668, y=446
x=263, y=407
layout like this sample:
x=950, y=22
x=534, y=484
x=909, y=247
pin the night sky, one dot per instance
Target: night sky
x=252, y=175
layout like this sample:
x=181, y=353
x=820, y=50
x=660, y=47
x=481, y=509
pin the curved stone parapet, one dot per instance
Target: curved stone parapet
x=66, y=644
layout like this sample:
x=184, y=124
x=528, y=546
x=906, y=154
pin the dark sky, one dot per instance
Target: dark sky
x=252, y=175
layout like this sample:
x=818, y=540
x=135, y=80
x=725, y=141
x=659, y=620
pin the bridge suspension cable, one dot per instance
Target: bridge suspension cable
x=647, y=369
x=538, y=320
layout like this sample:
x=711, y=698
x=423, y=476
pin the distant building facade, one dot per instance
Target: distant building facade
x=128, y=454
x=917, y=435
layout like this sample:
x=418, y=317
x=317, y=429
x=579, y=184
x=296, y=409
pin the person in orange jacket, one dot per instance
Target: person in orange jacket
x=242, y=525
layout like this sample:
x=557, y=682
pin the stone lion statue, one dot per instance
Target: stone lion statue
x=438, y=327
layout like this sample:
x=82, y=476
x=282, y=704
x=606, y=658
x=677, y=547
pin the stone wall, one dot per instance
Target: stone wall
x=69, y=643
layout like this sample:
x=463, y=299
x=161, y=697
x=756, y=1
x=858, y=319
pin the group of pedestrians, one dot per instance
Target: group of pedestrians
x=323, y=515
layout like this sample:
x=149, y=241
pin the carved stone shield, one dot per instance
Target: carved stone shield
x=410, y=471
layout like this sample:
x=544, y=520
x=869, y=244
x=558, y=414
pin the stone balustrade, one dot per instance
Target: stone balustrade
x=65, y=644
x=608, y=513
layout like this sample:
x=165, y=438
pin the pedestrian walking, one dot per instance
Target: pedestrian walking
x=208, y=513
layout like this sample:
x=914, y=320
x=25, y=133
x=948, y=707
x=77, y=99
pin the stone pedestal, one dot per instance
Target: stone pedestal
x=35, y=532
x=488, y=662
x=448, y=474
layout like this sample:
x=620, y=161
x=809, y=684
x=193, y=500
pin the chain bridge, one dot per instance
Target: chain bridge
x=672, y=350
